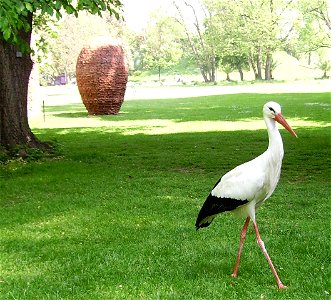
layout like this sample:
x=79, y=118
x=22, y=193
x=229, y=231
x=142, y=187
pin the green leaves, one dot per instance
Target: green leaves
x=58, y=5
x=98, y=6
x=162, y=47
x=13, y=18
x=14, y=13
x=29, y=7
x=6, y=34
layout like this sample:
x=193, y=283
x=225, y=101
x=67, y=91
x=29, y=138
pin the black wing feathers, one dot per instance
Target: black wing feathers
x=213, y=206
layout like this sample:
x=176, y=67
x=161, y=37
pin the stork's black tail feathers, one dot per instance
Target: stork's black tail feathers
x=213, y=206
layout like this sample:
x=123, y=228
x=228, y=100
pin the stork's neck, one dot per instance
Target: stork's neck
x=275, y=147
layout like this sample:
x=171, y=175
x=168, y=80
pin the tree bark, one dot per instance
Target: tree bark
x=268, y=62
x=213, y=67
x=252, y=63
x=203, y=73
x=259, y=64
x=241, y=73
x=15, y=69
x=309, y=58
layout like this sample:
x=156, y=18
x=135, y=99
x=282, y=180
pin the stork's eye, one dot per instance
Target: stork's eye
x=271, y=109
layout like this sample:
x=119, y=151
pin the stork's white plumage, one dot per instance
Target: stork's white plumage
x=246, y=187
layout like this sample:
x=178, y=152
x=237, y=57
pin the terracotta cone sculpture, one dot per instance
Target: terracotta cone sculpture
x=102, y=75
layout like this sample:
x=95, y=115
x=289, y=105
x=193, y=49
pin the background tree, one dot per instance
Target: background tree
x=230, y=63
x=71, y=34
x=201, y=43
x=311, y=29
x=162, y=44
x=16, y=25
x=248, y=30
x=325, y=66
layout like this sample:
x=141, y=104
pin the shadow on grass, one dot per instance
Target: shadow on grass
x=309, y=106
x=72, y=115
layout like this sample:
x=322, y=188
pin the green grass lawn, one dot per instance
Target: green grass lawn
x=113, y=216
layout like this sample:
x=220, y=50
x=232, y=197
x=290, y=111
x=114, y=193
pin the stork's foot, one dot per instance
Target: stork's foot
x=281, y=286
x=234, y=275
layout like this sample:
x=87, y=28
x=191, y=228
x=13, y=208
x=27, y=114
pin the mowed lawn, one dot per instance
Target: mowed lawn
x=112, y=215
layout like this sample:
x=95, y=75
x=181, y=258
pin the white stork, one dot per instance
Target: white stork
x=246, y=187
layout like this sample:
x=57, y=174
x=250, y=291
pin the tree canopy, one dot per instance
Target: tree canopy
x=253, y=30
x=214, y=34
x=162, y=47
x=14, y=14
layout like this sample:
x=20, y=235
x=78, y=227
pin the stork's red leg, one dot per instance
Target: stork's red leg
x=241, y=245
x=264, y=250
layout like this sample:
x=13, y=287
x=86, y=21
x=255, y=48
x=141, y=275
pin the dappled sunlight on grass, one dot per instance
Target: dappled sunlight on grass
x=188, y=115
x=164, y=126
x=169, y=126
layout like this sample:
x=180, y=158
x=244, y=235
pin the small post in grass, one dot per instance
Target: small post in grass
x=44, y=114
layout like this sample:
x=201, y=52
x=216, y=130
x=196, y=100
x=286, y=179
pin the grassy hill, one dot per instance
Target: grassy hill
x=288, y=69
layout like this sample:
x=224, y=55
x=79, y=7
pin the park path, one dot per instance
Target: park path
x=139, y=92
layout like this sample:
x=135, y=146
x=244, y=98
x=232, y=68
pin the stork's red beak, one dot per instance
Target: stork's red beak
x=281, y=120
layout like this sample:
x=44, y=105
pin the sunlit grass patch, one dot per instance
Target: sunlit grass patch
x=163, y=126
x=171, y=127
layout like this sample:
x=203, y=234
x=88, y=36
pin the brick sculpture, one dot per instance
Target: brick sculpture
x=102, y=75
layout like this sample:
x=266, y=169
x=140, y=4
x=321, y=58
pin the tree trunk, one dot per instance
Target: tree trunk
x=15, y=69
x=259, y=65
x=213, y=74
x=241, y=73
x=203, y=73
x=309, y=58
x=213, y=68
x=268, y=62
x=208, y=69
x=252, y=63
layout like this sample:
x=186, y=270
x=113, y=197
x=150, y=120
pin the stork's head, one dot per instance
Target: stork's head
x=273, y=110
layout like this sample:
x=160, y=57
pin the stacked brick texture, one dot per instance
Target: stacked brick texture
x=102, y=75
